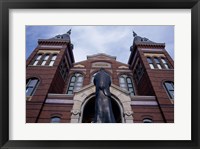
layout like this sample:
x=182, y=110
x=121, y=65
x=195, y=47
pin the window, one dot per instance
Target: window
x=138, y=72
x=126, y=83
x=76, y=83
x=122, y=82
x=147, y=120
x=45, y=59
x=149, y=60
x=92, y=79
x=63, y=69
x=169, y=87
x=38, y=57
x=165, y=63
x=55, y=119
x=53, y=59
x=157, y=63
x=31, y=86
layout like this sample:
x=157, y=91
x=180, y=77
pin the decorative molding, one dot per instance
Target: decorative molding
x=151, y=50
x=48, y=51
x=128, y=113
x=128, y=71
x=50, y=46
x=154, y=55
x=101, y=65
x=75, y=112
x=144, y=103
x=59, y=101
x=123, y=67
x=123, y=99
x=59, y=96
x=73, y=70
x=143, y=98
x=79, y=66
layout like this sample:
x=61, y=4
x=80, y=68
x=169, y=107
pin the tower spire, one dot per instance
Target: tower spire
x=69, y=32
x=134, y=34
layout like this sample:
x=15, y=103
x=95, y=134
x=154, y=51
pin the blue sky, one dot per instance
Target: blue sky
x=111, y=40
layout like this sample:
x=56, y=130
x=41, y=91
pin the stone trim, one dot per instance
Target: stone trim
x=153, y=55
x=143, y=98
x=144, y=103
x=59, y=101
x=59, y=96
x=50, y=46
x=83, y=95
x=48, y=51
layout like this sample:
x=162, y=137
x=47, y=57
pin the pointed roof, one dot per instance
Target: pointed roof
x=58, y=38
x=65, y=36
x=144, y=41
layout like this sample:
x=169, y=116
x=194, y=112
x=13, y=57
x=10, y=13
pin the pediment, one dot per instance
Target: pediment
x=101, y=56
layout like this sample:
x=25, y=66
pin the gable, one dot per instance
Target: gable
x=101, y=56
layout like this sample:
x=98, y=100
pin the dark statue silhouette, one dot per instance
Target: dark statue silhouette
x=103, y=107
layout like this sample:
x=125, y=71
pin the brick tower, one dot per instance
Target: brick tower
x=153, y=71
x=46, y=71
x=60, y=90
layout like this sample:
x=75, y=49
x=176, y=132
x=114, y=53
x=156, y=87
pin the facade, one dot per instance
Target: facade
x=58, y=89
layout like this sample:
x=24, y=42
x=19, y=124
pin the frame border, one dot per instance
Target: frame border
x=5, y=5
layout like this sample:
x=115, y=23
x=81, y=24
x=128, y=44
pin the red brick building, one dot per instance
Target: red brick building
x=59, y=89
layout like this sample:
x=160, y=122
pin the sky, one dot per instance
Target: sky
x=111, y=40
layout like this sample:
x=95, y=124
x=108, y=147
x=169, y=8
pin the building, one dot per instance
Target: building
x=58, y=89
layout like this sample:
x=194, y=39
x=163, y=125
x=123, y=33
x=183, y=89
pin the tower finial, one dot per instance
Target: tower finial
x=69, y=32
x=134, y=34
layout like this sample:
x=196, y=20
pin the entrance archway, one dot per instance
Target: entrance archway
x=121, y=102
x=89, y=111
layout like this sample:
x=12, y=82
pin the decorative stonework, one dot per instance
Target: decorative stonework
x=59, y=101
x=50, y=47
x=79, y=66
x=153, y=55
x=101, y=65
x=48, y=51
x=122, y=96
x=123, y=67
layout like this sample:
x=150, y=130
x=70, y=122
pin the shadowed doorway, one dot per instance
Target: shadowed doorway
x=89, y=110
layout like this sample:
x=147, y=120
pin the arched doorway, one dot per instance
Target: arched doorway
x=121, y=101
x=89, y=111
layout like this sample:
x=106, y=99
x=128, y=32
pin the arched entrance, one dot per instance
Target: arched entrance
x=89, y=111
x=83, y=107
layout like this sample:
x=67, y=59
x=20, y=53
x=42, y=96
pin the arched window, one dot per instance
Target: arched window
x=165, y=63
x=147, y=120
x=31, y=86
x=37, y=59
x=149, y=60
x=92, y=78
x=157, y=63
x=76, y=83
x=45, y=59
x=169, y=87
x=55, y=119
x=126, y=83
x=53, y=59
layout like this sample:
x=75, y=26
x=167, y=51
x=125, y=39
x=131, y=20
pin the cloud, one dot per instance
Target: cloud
x=112, y=40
